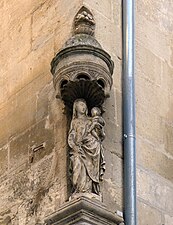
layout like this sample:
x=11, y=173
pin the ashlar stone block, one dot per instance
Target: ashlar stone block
x=148, y=215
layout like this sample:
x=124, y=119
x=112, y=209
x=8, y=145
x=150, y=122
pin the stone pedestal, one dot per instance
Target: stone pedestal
x=83, y=211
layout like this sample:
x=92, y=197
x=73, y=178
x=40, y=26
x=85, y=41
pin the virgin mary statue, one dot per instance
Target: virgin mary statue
x=86, y=154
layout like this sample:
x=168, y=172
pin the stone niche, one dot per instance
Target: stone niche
x=82, y=69
x=82, y=76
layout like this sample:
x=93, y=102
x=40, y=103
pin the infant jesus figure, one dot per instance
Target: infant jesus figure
x=97, y=125
x=97, y=131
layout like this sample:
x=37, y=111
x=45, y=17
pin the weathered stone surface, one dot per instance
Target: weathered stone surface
x=18, y=40
x=21, y=107
x=151, y=73
x=19, y=148
x=162, y=164
x=114, y=168
x=149, y=125
x=169, y=116
x=29, y=110
x=44, y=21
x=34, y=191
x=103, y=7
x=26, y=147
x=158, y=12
x=155, y=40
x=106, y=33
x=25, y=113
x=145, y=88
x=43, y=102
x=154, y=106
x=41, y=133
x=83, y=211
x=168, y=220
x=113, y=140
x=155, y=190
x=148, y=215
x=20, y=75
x=4, y=159
x=153, y=94
x=112, y=195
x=65, y=11
x=65, y=21
x=167, y=78
x=168, y=140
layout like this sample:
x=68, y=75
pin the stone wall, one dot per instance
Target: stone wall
x=33, y=149
x=154, y=80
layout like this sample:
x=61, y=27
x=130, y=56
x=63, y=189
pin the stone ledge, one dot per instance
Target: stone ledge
x=83, y=211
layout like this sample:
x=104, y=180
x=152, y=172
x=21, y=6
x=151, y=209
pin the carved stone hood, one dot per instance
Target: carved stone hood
x=82, y=69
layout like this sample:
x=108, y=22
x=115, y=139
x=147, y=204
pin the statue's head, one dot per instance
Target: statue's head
x=95, y=111
x=79, y=107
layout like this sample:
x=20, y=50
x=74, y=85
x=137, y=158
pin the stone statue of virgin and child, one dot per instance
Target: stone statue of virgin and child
x=86, y=151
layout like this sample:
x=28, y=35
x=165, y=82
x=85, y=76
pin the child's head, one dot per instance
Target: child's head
x=95, y=111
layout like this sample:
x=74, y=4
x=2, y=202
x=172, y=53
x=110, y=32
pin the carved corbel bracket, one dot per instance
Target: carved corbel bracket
x=82, y=69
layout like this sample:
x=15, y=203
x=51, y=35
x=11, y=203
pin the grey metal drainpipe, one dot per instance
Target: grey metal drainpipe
x=129, y=123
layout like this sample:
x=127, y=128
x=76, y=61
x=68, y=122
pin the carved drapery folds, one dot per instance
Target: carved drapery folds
x=82, y=76
x=87, y=155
